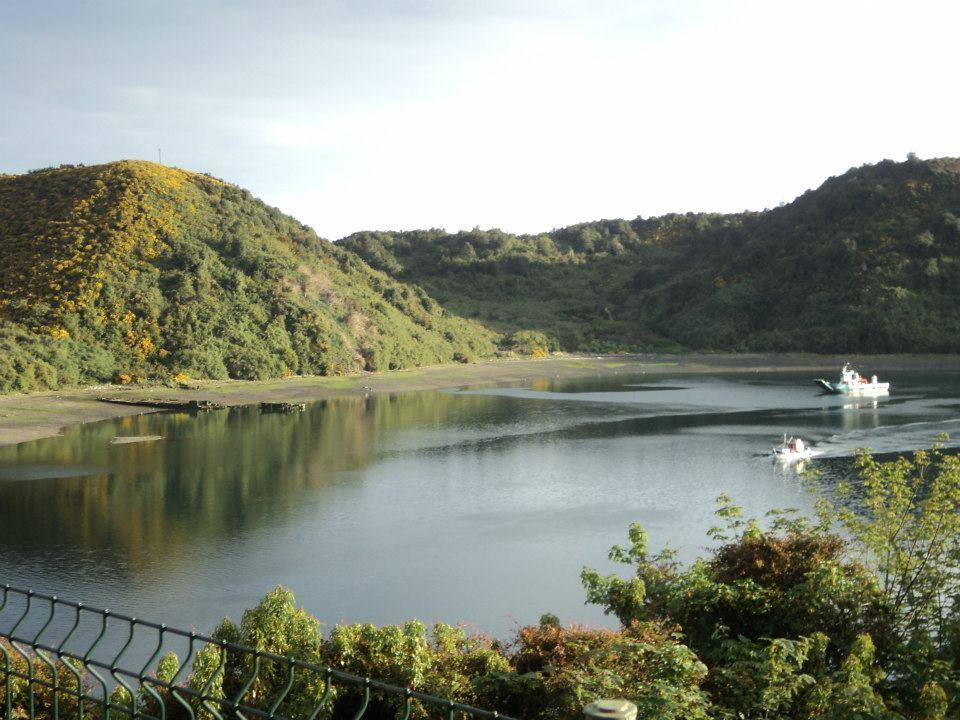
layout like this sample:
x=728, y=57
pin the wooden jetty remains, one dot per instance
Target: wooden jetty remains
x=282, y=407
x=188, y=405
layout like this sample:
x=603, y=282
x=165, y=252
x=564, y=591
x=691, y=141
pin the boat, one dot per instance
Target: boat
x=792, y=450
x=852, y=383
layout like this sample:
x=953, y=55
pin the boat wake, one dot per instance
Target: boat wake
x=887, y=439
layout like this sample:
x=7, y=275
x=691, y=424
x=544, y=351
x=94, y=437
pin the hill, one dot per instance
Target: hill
x=868, y=262
x=134, y=269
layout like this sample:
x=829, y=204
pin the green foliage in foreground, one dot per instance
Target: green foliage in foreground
x=794, y=621
x=547, y=672
x=853, y=615
x=869, y=262
x=134, y=270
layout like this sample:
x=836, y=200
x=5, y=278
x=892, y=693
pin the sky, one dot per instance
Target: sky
x=525, y=115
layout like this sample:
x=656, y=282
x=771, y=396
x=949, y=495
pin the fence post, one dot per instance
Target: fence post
x=610, y=709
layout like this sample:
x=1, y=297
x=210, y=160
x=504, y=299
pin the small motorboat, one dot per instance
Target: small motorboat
x=852, y=383
x=792, y=449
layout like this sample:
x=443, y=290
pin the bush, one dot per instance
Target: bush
x=574, y=666
x=549, y=672
x=528, y=342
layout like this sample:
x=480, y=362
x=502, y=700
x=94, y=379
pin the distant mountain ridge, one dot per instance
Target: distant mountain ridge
x=867, y=262
x=134, y=269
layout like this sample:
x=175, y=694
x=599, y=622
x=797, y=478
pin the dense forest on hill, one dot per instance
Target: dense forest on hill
x=868, y=262
x=135, y=270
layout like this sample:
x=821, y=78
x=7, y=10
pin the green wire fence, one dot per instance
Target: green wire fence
x=65, y=661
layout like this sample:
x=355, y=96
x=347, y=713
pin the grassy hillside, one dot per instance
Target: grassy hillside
x=133, y=269
x=869, y=262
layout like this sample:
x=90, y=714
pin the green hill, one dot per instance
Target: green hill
x=868, y=262
x=134, y=269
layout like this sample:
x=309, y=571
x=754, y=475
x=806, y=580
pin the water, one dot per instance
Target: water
x=477, y=507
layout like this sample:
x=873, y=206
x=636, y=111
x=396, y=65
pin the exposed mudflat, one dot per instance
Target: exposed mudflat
x=37, y=415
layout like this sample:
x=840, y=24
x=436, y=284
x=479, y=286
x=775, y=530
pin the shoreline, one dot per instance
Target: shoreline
x=34, y=416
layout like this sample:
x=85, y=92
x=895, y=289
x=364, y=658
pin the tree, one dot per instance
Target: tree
x=904, y=516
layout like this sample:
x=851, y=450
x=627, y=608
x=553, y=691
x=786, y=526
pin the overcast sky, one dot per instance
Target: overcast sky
x=524, y=115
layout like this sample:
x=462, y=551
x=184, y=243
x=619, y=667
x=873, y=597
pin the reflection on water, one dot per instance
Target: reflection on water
x=478, y=506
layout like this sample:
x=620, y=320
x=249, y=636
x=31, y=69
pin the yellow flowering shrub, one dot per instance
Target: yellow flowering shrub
x=83, y=223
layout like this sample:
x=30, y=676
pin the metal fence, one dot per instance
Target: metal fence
x=65, y=661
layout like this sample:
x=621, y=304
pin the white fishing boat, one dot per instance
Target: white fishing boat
x=852, y=383
x=792, y=450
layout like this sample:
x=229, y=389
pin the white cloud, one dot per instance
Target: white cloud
x=526, y=116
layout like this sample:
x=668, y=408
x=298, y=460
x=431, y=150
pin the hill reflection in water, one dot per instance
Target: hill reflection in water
x=476, y=506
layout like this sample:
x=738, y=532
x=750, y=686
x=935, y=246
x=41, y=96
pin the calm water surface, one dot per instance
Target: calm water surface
x=476, y=506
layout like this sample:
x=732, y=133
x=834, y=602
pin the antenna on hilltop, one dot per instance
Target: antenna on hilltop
x=159, y=156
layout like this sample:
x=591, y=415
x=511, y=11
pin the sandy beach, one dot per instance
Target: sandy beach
x=32, y=416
